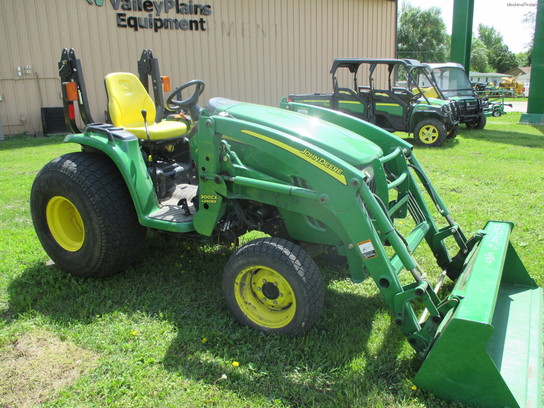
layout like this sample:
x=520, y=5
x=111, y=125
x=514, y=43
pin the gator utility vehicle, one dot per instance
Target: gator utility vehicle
x=453, y=82
x=322, y=179
x=390, y=98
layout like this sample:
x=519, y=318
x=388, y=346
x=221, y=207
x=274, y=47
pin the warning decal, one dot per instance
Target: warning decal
x=367, y=249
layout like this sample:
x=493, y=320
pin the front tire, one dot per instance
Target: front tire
x=430, y=133
x=453, y=133
x=478, y=123
x=84, y=216
x=272, y=285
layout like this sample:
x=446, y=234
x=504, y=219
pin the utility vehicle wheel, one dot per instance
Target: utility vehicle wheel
x=496, y=113
x=453, y=133
x=477, y=123
x=430, y=132
x=84, y=216
x=272, y=285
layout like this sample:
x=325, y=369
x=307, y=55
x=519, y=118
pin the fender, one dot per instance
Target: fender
x=123, y=148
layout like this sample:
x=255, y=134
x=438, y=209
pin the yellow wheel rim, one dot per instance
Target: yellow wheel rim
x=265, y=297
x=428, y=134
x=65, y=223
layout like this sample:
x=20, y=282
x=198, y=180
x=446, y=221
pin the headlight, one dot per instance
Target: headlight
x=368, y=172
x=368, y=176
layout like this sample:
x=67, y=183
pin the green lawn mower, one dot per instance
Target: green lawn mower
x=310, y=178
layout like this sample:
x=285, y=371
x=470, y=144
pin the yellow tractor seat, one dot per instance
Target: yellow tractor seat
x=127, y=98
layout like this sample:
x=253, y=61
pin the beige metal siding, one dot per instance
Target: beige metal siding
x=252, y=50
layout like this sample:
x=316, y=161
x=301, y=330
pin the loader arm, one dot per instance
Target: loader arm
x=482, y=342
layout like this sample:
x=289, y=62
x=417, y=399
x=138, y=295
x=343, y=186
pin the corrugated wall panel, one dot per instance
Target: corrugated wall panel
x=252, y=50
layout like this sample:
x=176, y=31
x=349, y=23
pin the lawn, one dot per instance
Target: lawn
x=159, y=334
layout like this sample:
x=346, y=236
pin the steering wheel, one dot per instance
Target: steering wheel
x=174, y=101
x=417, y=95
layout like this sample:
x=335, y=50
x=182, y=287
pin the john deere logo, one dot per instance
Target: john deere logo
x=97, y=2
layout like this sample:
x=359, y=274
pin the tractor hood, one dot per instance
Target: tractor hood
x=344, y=144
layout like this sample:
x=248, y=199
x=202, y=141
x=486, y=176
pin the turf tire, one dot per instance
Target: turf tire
x=291, y=270
x=91, y=183
x=430, y=133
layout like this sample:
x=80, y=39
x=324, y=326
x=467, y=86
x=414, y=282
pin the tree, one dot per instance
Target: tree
x=478, y=58
x=500, y=58
x=524, y=59
x=489, y=36
x=422, y=34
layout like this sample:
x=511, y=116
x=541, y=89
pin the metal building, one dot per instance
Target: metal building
x=251, y=50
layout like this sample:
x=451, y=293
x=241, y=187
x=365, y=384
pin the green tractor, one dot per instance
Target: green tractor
x=318, y=179
x=389, y=96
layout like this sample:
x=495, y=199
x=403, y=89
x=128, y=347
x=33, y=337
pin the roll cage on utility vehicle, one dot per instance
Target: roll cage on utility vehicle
x=390, y=98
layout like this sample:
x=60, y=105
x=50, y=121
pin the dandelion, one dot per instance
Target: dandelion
x=235, y=364
x=414, y=387
x=204, y=340
x=134, y=333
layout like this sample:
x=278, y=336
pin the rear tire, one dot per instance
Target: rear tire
x=84, y=216
x=273, y=285
x=430, y=133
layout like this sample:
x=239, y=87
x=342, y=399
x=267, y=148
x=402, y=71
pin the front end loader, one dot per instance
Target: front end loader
x=310, y=178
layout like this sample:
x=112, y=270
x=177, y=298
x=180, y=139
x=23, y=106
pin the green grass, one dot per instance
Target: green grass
x=518, y=99
x=160, y=334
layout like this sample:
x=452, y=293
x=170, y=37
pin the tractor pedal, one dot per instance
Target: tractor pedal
x=183, y=204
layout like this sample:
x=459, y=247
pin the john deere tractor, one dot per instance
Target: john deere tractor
x=315, y=179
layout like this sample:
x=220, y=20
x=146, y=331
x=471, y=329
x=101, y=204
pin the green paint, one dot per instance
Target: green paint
x=535, y=105
x=461, y=36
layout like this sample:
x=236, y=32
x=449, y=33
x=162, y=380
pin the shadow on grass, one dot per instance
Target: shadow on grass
x=180, y=283
x=448, y=143
x=507, y=137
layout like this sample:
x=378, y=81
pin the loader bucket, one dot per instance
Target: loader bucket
x=487, y=351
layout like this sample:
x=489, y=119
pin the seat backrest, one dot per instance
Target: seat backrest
x=126, y=99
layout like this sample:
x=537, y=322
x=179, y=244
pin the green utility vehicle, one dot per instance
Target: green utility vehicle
x=388, y=95
x=453, y=82
x=318, y=179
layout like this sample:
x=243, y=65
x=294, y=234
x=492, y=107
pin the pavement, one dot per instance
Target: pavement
x=516, y=107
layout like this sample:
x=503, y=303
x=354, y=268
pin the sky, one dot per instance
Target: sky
x=505, y=15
